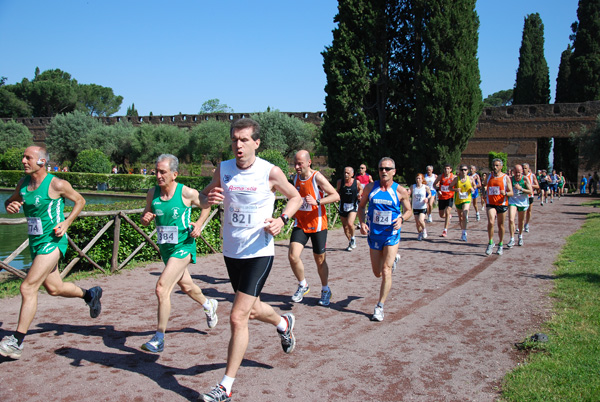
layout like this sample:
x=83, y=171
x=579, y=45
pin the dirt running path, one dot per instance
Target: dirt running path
x=448, y=332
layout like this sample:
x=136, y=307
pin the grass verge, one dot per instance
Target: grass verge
x=567, y=367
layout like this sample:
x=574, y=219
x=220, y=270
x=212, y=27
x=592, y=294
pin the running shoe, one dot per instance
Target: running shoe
x=526, y=229
x=477, y=216
x=517, y=230
x=349, y=248
x=420, y=236
x=542, y=203
x=300, y=292
x=511, y=243
x=95, y=305
x=288, y=341
x=430, y=219
x=9, y=347
x=444, y=233
x=211, y=313
x=424, y=234
x=463, y=237
x=520, y=243
x=353, y=243
x=377, y=314
x=325, y=297
x=500, y=250
x=154, y=345
x=395, y=264
x=217, y=394
x=551, y=201
x=489, y=249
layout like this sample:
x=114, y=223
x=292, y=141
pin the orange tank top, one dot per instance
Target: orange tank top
x=494, y=187
x=310, y=218
x=445, y=192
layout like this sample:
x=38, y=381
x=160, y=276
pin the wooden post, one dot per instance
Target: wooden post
x=114, y=264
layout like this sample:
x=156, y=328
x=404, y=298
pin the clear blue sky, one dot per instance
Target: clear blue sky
x=170, y=57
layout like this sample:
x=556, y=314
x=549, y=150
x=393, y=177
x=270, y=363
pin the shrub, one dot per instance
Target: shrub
x=92, y=161
x=276, y=159
x=14, y=135
x=500, y=155
x=11, y=159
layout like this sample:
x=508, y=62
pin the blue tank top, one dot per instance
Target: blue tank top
x=384, y=208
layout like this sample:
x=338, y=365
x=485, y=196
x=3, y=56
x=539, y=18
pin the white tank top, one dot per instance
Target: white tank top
x=248, y=202
x=419, y=197
x=429, y=180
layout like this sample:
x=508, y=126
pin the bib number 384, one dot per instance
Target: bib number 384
x=167, y=234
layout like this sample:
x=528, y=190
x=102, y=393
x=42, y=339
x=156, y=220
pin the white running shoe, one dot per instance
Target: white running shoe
x=396, y=259
x=211, y=314
x=377, y=314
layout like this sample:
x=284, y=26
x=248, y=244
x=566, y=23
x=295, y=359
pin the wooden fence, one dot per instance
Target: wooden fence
x=118, y=218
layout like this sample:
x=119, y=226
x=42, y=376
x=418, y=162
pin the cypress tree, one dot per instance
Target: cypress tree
x=584, y=79
x=562, y=79
x=533, y=80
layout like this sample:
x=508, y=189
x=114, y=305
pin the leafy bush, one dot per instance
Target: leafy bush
x=286, y=134
x=10, y=178
x=500, y=155
x=11, y=159
x=210, y=140
x=14, y=135
x=276, y=159
x=92, y=161
x=69, y=134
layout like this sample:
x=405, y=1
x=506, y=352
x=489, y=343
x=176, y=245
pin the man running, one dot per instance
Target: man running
x=518, y=204
x=429, y=180
x=311, y=223
x=246, y=186
x=170, y=203
x=363, y=177
x=445, y=196
x=498, y=189
x=387, y=199
x=463, y=187
x=533, y=182
x=350, y=192
x=42, y=196
x=477, y=181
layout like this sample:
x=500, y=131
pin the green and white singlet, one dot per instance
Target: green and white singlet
x=43, y=214
x=172, y=224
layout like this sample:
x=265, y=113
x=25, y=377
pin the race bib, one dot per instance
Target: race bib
x=167, y=234
x=463, y=195
x=243, y=215
x=382, y=217
x=34, y=226
x=419, y=197
x=494, y=190
x=348, y=207
x=445, y=189
x=305, y=206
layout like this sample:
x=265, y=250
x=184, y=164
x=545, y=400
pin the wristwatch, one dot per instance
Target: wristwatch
x=318, y=202
x=284, y=218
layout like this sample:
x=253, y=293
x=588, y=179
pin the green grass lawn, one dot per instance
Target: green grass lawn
x=567, y=367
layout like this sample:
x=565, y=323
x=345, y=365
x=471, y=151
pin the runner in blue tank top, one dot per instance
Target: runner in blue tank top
x=389, y=206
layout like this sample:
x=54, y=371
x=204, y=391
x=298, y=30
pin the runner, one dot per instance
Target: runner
x=246, y=187
x=561, y=185
x=533, y=182
x=518, y=204
x=429, y=180
x=42, y=196
x=311, y=223
x=544, y=181
x=498, y=189
x=445, y=196
x=483, y=197
x=477, y=182
x=463, y=186
x=350, y=193
x=386, y=200
x=363, y=177
x=170, y=203
x=420, y=194
x=553, y=186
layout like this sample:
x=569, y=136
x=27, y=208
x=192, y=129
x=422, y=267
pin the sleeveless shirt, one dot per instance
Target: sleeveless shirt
x=310, y=218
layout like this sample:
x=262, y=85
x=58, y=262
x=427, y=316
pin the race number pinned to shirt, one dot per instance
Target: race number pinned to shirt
x=348, y=206
x=243, y=216
x=167, y=234
x=494, y=190
x=463, y=195
x=305, y=206
x=34, y=226
x=382, y=217
x=445, y=189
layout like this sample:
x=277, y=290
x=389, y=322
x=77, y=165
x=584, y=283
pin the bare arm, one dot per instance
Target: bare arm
x=364, y=229
x=63, y=188
x=279, y=182
x=193, y=197
x=213, y=193
x=147, y=215
x=332, y=195
x=14, y=202
x=406, y=207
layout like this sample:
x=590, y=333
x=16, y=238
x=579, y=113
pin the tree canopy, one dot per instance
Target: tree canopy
x=214, y=106
x=500, y=98
x=14, y=135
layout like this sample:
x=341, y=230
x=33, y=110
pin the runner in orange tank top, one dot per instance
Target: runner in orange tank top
x=445, y=196
x=311, y=223
x=498, y=189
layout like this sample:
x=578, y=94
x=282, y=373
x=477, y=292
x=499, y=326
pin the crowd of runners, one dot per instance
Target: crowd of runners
x=246, y=186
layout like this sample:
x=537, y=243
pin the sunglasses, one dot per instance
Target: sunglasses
x=387, y=169
x=464, y=170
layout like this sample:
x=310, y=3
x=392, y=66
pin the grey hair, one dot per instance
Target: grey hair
x=498, y=160
x=173, y=161
x=429, y=167
x=387, y=158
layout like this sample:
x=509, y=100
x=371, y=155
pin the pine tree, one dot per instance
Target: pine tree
x=584, y=79
x=533, y=80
